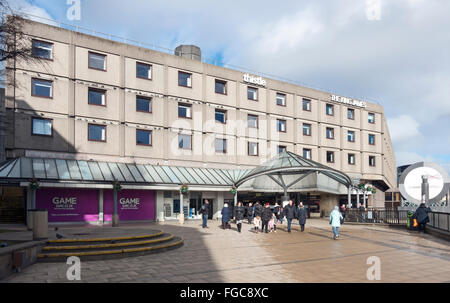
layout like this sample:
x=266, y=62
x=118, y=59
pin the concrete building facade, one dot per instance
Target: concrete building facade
x=100, y=97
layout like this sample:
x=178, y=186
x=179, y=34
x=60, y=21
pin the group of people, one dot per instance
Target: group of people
x=263, y=218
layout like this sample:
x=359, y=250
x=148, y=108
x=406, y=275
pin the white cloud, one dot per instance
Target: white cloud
x=403, y=128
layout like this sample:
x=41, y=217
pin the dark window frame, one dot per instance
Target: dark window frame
x=178, y=144
x=41, y=118
x=374, y=161
x=354, y=136
x=285, y=126
x=257, y=149
x=39, y=96
x=332, y=109
x=257, y=121
x=353, y=113
x=310, y=129
x=186, y=105
x=332, y=133
x=225, y=149
x=149, y=99
x=310, y=153
x=285, y=99
x=146, y=64
x=97, y=90
x=354, y=159
x=191, y=77
x=106, y=132
x=225, y=112
x=373, y=135
x=310, y=104
x=257, y=93
x=225, y=83
x=95, y=68
x=32, y=49
x=331, y=153
x=147, y=131
x=278, y=148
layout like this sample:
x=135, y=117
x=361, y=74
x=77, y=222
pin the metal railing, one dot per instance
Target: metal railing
x=438, y=220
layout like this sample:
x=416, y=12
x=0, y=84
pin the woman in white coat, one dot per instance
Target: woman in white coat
x=335, y=221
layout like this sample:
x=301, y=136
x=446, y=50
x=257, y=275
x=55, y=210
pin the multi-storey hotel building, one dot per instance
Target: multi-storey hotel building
x=90, y=111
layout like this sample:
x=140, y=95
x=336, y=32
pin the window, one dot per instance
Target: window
x=184, y=110
x=221, y=116
x=306, y=104
x=281, y=149
x=42, y=88
x=221, y=87
x=330, y=133
x=97, y=61
x=307, y=153
x=351, y=159
x=306, y=129
x=185, y=141
x=252, y=93
x=330, y=157
x=97, y=96
x=281, y=125
x=351, y=113
x=221, y=146
x=143, y=71
x=371, y=118
x=96, y=132
x=350, y=136
x=371, y=139
x=330, y=109
x=143, y=104
x=371, y=160
x=281, y=99
x=252, y=121
x=42, y=127
x=42, y=49
x=184, y=79
x=143, y=137
x=252, y=148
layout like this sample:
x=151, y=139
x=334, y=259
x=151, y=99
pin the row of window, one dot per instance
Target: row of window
x=97, y=61
x=96, y=132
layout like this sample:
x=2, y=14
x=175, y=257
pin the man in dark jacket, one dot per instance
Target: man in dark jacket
x=225, y=216
x=266, y=216
x=239, y=211
x=290, y=213
x=258, y=210
x=204, y=210
x=421, y=215
x=250, y=212
x=301, y=215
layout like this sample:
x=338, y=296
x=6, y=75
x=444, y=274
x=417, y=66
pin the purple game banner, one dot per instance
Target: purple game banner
x=68, y=205
x=132, y=205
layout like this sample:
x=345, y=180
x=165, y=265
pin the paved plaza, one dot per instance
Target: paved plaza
x=216, y=255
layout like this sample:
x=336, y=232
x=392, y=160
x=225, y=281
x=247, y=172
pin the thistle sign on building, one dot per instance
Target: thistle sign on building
x=349, y=101
x=254, y=80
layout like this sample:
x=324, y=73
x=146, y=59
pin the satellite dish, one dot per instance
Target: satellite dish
x=410, y=183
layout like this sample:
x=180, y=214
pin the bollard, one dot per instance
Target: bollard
x=40, y=224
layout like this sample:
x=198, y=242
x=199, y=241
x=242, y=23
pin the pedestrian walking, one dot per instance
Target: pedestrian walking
x=204, y=211
x=362, y=210
x=343, y=210
x=273, y=223
x=239, y=211
x=250, y=212
x=258, y=210
x=421, y=215
x=301, y=215
x=290, y=213
x=265, y=217
x=335, y=221
x=281, y=214
x=256, y=223
x=225, y=216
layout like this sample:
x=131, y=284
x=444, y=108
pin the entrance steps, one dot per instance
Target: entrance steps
x=109, y=247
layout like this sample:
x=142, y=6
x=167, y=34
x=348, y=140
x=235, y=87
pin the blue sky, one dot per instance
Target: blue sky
x=391, y=52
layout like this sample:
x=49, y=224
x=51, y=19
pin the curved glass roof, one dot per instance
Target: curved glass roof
x=287, y=163
x=23, y=169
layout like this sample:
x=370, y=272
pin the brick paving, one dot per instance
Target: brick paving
x=216, y=255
